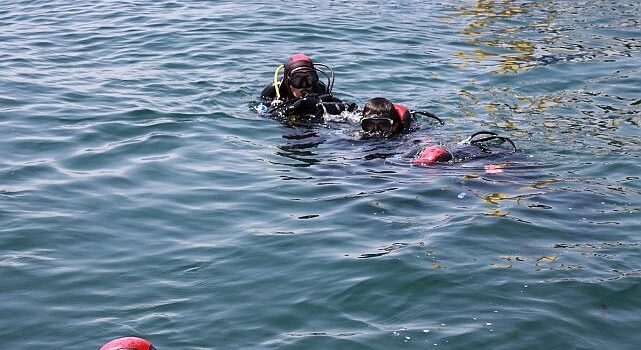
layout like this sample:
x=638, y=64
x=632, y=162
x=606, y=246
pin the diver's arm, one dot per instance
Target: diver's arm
x=334, y=105
x=268, y=94
x=302, y=106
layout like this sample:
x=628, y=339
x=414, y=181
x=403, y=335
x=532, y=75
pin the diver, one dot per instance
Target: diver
x=481, y=144
x=300, y=93
x=380, y=117
x=128, y=343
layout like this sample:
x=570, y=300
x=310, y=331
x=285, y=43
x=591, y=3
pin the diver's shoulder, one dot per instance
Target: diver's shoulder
x=269, y=91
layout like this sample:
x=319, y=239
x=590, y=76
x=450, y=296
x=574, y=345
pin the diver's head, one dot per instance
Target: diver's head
x=128, y=343
x=380, y=118
x=300, y=75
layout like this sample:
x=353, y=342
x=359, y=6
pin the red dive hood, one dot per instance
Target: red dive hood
x=298, y=60
x=299, y=57
x=432, y=155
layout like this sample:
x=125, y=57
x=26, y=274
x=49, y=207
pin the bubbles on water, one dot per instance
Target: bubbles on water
x=345, y=117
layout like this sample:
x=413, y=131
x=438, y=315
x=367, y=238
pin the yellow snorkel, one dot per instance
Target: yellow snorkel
x=277, y=100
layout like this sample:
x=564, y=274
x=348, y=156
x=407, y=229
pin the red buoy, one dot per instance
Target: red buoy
x=128, y=343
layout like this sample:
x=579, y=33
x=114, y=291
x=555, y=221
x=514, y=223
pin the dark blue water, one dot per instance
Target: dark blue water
x=141, y=194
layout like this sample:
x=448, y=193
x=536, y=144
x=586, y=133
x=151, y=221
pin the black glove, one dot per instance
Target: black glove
x=305, y=106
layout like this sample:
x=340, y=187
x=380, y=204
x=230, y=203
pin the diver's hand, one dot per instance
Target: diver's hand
x=308, y=105
x=338, y=107
x=334, y=105
x=351, y=107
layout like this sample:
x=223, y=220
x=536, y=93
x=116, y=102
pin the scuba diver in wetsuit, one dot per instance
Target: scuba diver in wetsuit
x=382, y=118
x=300, y=93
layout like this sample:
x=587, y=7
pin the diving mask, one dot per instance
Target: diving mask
x=302, y=78
x=377, y=123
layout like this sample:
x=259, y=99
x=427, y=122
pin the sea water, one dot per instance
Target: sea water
x=142, y=194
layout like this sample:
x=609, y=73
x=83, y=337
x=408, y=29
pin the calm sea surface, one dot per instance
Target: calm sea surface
x=141, y=194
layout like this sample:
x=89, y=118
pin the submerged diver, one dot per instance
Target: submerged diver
x=300, y=92
x=478, y=145
x=381, y=117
